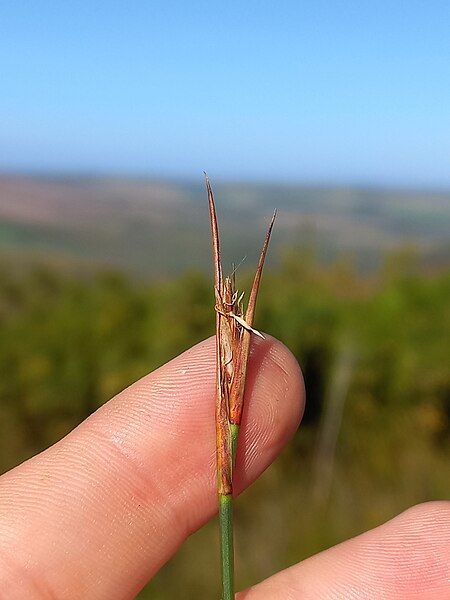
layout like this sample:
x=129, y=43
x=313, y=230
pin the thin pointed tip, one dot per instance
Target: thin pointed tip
x=214, y=234
x=272, y=220
x=271, y=223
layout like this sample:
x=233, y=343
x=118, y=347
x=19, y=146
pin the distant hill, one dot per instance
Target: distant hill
x=160, y=227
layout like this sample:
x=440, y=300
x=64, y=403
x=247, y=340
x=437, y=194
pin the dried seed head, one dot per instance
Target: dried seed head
x=233, y=331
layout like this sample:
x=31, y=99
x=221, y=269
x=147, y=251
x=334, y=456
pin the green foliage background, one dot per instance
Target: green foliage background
x=68, y=343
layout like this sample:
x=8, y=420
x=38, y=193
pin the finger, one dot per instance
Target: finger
x=407, y=558
x=98, y=513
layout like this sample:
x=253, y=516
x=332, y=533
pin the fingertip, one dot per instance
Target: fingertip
x=140, y=475
x=273, y=407
x=407, y=557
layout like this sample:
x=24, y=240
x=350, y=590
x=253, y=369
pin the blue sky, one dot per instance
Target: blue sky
x=346, y=92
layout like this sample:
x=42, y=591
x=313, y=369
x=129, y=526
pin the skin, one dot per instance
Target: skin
x=97, y=514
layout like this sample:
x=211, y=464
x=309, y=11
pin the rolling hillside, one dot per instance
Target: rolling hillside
x=160, y=227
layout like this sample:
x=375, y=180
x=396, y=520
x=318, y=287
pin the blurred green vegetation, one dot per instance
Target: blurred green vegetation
x=374, y=351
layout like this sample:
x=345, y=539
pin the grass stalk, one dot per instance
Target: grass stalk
x=226, y=545
x=233, y=336
x=234, y=440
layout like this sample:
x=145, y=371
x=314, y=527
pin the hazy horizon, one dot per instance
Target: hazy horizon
x=198, y=179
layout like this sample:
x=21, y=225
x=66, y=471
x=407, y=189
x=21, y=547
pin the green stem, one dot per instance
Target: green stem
x=226, y=529
x=234, y=439
x=226, y=545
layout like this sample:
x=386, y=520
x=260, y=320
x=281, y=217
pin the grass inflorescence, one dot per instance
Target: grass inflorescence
x=234, y=328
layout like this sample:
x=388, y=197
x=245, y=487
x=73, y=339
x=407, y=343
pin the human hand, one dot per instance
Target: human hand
x=97, y=514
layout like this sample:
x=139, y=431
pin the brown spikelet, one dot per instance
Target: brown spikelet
x=233, y=334
x=238, y=387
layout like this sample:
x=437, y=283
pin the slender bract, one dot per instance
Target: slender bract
x=234, y=328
